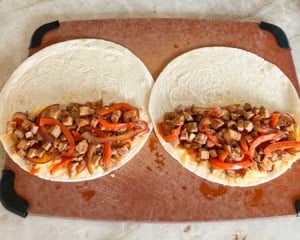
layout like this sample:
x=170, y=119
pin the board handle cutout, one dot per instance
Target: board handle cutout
x=9, y=198
x=39, y=33
x=277, y=32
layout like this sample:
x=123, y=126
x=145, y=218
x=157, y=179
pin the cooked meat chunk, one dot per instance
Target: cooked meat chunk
x=217, y=123
x=82, y=147
x=235, y=116
x=67, y=121
x=115, y=117
x=248, y=115
x=11, y=127
x=231, y=124
x=266, y=164
x=201, y=138
x=184, y=135
x=247, y=106
x=94, y=122
x=231, y=135
x=55, y=131
x=26, y=124
x=130, y=116
x=28, y=135
x=265, y=113
x=54, y=112
x=240, y=125
x=248, y=126
x=62, y=146
x=122, y=150
x=215, y=112
x=21, y=153
x=191, y=137
x=46, y=146
x=19, y=134
x=213, y=153
x=81, y=122
x=23, y=144
x=203, y=154
x=191, y=126
x=188, y=117
x=32, y=153
x=85, y=111
x=34, y=129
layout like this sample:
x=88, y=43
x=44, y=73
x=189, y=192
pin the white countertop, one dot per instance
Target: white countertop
x=19, y=19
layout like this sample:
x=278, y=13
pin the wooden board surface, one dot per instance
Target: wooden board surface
x=153, y=186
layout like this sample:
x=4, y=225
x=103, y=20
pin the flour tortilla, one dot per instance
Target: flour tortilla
x=76, y=71
x=220, y=76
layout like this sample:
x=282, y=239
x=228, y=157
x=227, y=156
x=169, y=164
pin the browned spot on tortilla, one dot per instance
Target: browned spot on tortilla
x=183, y=187
x=256, y=197
x=211, y=193
x=175, y=46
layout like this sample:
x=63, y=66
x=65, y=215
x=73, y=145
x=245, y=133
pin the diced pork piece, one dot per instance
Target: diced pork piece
x=216, y=123
x=81, y=166
x=209, y=144
x=94, y=122
x=265, y=113
x=82, y=147
x=130, y=116
x=233, y=108
x=11, y=127
x=230, y=173
x=188, y=117
x=26, y=124
x=231, y=124
x=62, y=146
x=23, y=144
x=240, y=125
x=34, y=129
x=213, y=153
x=249, y=138
x=22, y=153
x=55, y=131
x=115, y=117
x=81, y=122
x=28, y=135
x=191, y=137
x=248, y=125
x=54, y=112
x=67, y=121
x=231, y=135
x=85, y=111
x=197, y=110
x=184, y=135
x=228, y=148
x=19, y=134
x=179, y=109
x=255, y=110
x=203, y=154
x=248, y=115
x=169, y=115
x=191, y=126
x=19, y=115
x=32, y=153
x=40, y=153
x=235, y=116
x=201, y=138
x=247, y=107
x=47, y=146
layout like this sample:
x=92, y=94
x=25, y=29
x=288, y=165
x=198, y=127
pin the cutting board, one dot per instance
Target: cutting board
x=153, y=186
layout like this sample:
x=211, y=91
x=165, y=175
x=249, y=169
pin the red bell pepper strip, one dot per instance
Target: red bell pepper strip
x=110, y=109
x=44, y=159
x=281, y=146
x=211, y=137
x=174, y=135
x=230, y=165
x=62, y=164
x=76, y=135
x=223, y=155
x=106, y=147
x=259, y=140
x=64, y=129
x=141, y=127
x=274, y=119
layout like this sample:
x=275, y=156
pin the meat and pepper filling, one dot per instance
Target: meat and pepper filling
x=233, y=138
x=76, y=136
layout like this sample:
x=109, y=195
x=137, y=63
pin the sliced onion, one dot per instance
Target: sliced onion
x=47, y=137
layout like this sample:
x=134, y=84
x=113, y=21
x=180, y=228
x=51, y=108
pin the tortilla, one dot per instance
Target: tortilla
x=79, y=70
x=220, y=76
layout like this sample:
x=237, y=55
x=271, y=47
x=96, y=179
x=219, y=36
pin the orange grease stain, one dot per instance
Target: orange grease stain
x=88, y=194
x=256, y=197
x=152, y=144
x=211, y=193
